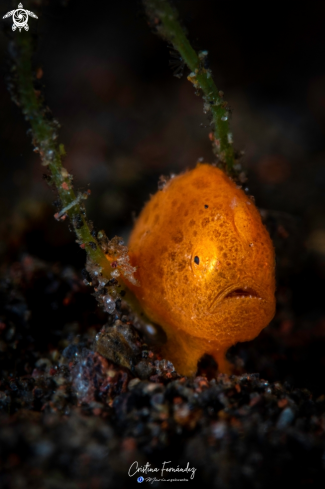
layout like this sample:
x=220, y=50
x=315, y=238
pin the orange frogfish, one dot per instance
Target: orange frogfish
x=205, y=267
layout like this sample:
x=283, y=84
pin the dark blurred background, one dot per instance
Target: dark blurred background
x=126, y=120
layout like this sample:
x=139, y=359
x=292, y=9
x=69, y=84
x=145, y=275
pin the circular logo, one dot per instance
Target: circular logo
x=140, y=479
x=20, y=17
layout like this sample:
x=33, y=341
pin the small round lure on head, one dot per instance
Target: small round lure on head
x=205, y=265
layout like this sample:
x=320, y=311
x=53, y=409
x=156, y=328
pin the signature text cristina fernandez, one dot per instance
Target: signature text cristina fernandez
x=147, y=469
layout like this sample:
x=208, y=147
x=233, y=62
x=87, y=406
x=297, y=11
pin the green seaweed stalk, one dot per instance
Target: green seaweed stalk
x=164, y=19
x=45, y=140
x=44, y=133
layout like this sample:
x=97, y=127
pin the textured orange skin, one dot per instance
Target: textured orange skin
x=235, y=252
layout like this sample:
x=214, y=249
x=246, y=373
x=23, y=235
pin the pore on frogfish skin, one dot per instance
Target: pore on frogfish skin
x=205, y=265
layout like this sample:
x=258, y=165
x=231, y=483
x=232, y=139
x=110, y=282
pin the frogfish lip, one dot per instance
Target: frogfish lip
x=242, y=293
x=237, y=292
